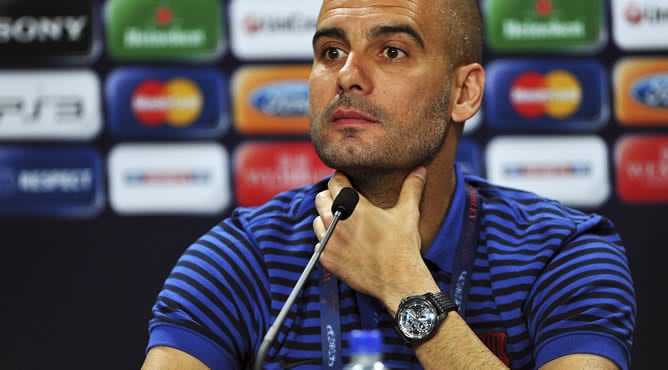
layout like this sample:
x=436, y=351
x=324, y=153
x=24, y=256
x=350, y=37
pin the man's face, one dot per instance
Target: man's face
x=379, y=84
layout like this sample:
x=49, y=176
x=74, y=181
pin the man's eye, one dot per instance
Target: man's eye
x=333, y=53
x=393, y=53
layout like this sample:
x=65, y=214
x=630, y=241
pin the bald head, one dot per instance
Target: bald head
x=462, y=21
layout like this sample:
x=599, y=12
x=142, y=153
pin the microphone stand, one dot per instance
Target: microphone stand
x=339, y=213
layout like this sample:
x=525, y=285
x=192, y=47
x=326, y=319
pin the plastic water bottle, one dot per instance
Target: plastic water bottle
x=366, y=348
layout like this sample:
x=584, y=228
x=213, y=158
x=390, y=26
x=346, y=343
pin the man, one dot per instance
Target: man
x=392, y=83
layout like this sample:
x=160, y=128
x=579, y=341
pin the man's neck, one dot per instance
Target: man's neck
x=383, y=191
x=436, y=201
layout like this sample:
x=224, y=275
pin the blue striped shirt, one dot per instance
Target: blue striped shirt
x=546, y=281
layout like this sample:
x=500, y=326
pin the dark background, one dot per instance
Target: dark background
x=77, y=293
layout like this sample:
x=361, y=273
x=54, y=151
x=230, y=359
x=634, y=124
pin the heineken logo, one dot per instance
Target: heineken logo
x=152, y=29
x=544, y=24
x=529, y=30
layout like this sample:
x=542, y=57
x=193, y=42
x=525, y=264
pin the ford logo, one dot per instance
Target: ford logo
x=652, y=91
x=289, y=98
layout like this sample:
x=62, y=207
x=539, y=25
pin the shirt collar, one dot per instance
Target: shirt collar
x=442, y=250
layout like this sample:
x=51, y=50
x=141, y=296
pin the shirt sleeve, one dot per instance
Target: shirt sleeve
x=210, y=303
x=584, y=301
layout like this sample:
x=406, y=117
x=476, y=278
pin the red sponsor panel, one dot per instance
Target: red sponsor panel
x=642, y=168
x=265, y=169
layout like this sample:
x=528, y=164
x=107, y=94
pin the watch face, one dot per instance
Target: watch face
x=417, y=318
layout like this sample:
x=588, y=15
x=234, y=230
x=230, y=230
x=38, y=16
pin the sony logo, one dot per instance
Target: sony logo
x=29, y=29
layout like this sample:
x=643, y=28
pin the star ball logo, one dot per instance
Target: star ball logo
x=177, y=102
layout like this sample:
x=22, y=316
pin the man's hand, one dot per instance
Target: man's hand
x=377, y=251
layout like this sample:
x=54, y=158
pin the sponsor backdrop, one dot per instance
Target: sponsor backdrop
x=128, y=128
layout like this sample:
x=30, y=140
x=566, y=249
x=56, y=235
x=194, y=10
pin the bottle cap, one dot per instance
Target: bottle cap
x=366, y=341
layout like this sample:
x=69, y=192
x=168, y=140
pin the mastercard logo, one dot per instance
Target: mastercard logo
x=557, y=94
x=177, y=102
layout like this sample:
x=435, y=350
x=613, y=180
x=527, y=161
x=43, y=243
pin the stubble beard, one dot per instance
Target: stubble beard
x=405, y=146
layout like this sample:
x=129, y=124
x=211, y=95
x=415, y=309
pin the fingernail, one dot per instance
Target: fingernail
x=421, y=172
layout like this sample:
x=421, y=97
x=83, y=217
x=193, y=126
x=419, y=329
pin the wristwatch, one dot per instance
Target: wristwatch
x=419, y=316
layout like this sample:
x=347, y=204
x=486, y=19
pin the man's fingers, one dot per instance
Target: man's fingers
x=323, y=203
x=319, y=228
x=337, y=182
x=411, y=190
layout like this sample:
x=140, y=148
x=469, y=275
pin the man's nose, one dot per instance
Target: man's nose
x=354, y=76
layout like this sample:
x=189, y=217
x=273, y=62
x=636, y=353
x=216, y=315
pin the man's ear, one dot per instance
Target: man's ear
x=469, y=86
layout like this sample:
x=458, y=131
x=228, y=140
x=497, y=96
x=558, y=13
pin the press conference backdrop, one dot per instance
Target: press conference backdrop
x=130, y=127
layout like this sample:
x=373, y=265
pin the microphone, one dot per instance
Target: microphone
x=342, y=208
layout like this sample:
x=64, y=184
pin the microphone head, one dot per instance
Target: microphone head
x=345, y=202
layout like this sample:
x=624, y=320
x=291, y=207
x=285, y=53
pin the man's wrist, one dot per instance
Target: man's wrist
x=393, y=299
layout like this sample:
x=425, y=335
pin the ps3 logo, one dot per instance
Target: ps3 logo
x=49, y=105
x=57, y=108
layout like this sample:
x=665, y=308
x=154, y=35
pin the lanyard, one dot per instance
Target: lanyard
x=330, y=326
x=463, y=263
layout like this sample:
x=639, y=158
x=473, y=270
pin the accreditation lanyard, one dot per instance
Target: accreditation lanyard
x=330, y=325
x=330, y=322
x=462, y=265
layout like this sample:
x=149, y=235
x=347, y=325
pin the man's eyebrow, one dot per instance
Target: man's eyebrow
x=337, y=33
x=334, y=32
x=393, y=29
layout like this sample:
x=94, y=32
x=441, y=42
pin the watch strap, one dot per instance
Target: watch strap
x=442, y=301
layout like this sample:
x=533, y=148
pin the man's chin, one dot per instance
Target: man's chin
x=363, y=172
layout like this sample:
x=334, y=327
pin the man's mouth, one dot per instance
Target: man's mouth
x=344, y=116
